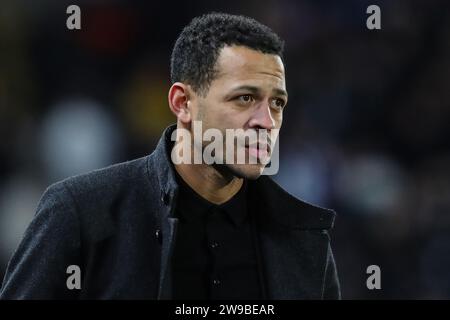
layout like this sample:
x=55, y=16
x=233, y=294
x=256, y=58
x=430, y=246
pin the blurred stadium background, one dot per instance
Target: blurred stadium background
x=366, y=130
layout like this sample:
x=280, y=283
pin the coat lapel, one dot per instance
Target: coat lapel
x=159, y=162
x=169, y=228
x=293, y=242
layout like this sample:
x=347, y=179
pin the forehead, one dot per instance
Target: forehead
x=239, y=63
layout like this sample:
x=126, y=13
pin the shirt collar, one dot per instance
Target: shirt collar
x=193, y=206
x=236, y=207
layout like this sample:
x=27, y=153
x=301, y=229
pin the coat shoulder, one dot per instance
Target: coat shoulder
x=104, y=199
x=106, y=180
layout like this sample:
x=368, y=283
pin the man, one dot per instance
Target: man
x=162, y=228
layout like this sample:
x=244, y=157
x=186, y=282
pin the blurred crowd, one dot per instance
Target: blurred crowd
x=366, y=130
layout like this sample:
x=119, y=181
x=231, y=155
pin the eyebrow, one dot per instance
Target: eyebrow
x=256, y=90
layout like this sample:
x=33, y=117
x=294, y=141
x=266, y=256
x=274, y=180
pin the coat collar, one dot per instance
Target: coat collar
x=160, y=162
x=296, y=214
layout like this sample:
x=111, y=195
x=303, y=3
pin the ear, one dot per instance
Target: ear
x=179, y=100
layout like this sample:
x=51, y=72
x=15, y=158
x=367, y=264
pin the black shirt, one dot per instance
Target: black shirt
x=215, y=254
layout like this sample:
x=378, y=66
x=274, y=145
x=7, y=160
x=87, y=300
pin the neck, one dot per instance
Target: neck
x=209, y=183
x=213, y=184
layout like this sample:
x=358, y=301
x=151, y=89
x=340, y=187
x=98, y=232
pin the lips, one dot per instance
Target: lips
x=262, y=146
x=260, y=151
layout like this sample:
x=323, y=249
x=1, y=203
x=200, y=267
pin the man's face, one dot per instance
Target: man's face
x=249, y=93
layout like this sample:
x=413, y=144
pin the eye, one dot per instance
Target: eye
x=278, y=103
x=246, y=98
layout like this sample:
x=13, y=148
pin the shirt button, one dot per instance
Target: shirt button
x=165, y=198
x=214, y=245
x=158, y=236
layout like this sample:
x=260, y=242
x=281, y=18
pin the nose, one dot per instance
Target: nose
x=262, y=118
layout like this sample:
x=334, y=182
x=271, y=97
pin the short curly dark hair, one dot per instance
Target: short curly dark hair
x=197, y=48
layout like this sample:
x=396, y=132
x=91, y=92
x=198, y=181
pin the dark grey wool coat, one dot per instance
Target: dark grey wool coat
x=118, y=225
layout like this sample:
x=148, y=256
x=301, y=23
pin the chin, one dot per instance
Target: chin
x=247, y=171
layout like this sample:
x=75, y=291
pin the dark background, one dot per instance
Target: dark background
x=366, y=130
